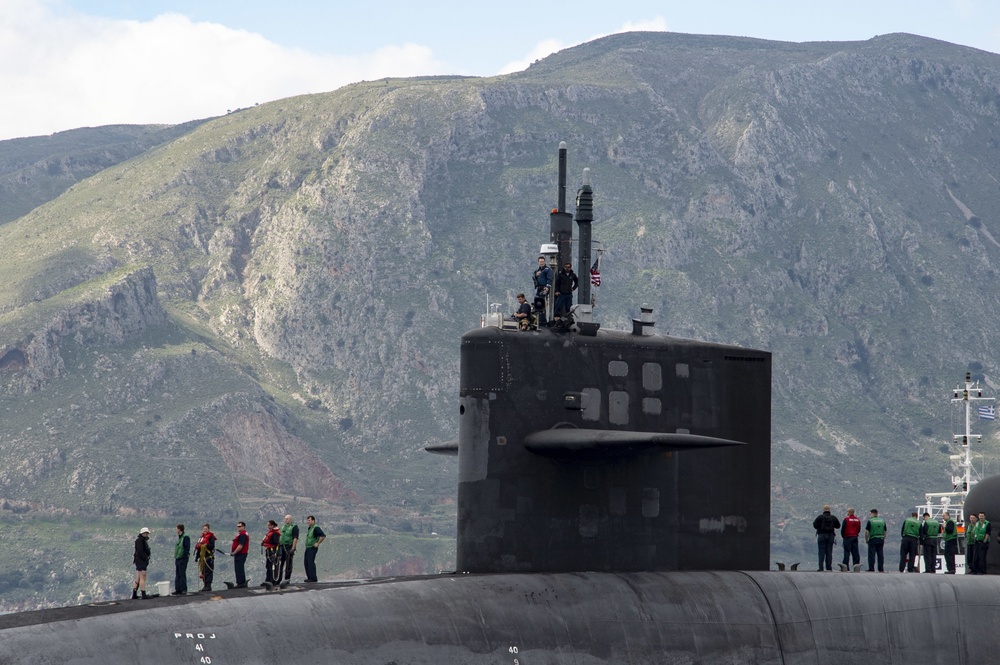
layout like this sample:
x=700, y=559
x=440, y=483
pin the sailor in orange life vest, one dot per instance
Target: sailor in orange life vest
x=241, y=545
x=849, y=532
x=205, y=556
x=270, y=546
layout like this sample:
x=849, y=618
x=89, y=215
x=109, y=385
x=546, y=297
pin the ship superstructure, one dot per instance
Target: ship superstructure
x=974, y=406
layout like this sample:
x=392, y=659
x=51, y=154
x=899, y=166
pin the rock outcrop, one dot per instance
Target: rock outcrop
x=106, y=314
x=255, y=445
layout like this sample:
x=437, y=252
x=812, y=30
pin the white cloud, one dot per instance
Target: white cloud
x=72, y=70
x=541, y=50
x=549, y=46
x=658, y=24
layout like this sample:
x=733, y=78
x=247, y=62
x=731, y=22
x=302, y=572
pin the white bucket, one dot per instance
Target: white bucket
x=163, y=588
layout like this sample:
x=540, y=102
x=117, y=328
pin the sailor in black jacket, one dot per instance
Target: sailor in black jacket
x=826, y=526
x=566, y=283
x=141, y=560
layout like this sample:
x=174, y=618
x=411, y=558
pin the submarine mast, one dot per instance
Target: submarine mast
x=584, y=219
x=560, y=221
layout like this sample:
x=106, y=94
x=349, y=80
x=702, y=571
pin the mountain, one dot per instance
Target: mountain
x=37, y=169
x=261, y=314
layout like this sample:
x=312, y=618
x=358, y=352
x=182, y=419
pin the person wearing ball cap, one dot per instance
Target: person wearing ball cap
x=141, y=560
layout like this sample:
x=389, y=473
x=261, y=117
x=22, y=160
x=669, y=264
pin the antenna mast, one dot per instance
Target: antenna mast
x=938, y=502
x=972, y=392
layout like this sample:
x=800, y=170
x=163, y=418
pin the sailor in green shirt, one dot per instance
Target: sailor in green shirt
x=970, y=543
x=982, y=544
x=875, y=540
x=910, y=533
x=286, y=549
x=314, y=536
x=182, y=554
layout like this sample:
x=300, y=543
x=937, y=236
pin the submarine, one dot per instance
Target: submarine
x=613, y=507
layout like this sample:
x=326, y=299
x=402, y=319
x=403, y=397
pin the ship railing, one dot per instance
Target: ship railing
x=939, y=502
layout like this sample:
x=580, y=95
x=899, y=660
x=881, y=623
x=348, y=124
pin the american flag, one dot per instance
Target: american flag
x=595, y=273
x=988, y=413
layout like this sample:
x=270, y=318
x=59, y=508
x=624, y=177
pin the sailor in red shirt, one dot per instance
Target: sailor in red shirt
x=849, y=532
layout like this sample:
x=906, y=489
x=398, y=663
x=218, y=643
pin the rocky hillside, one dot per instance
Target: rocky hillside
x=263, y=313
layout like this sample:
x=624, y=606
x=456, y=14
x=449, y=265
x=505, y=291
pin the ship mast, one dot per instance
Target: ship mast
x=937, y=502
x=970, y=394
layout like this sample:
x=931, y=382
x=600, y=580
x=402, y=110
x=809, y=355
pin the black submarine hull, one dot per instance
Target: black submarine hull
x=729, y=617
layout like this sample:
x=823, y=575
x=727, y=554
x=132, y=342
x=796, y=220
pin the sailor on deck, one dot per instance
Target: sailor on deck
x=523, y=313
x=970, y=544
x=875, y=540
x=566, y=283
x=849, y=532
x=930, y=532
x=950, y=538
x=983, y=529
x=826, y=526
x=542, y=279
x=910, y=533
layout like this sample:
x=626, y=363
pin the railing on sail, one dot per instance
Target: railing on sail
x=953, y=502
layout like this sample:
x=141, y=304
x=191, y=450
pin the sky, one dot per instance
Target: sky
x=83, y=63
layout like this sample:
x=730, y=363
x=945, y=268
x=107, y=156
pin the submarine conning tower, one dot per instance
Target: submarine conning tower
x=592, y=450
